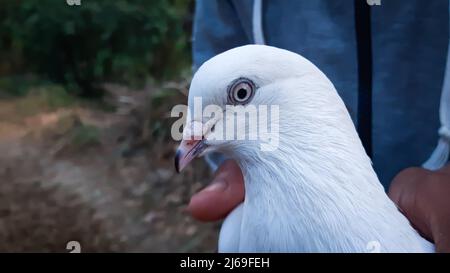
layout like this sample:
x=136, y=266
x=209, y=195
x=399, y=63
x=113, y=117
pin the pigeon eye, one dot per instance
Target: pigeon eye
x=241, y=91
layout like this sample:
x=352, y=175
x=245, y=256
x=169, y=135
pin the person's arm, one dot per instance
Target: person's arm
x=440, y=155
x=217, y=28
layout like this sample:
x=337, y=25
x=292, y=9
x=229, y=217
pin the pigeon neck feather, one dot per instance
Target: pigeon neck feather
x=318, y=190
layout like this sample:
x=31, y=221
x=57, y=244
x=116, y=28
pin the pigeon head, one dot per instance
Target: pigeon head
x=313, y=181
x=256, y=100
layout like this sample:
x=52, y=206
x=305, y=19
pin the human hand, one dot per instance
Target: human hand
x=219, y=198
x=424, y=198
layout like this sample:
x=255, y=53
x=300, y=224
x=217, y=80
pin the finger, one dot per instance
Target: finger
x=219, y=198
x=405, y=191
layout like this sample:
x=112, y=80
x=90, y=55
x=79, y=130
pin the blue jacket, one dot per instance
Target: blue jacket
x=409, y=53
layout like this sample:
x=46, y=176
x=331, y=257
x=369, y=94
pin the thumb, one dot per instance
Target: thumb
x=220, y=197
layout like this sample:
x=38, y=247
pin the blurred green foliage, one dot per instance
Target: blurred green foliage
x=19, y=85
x=123, y=41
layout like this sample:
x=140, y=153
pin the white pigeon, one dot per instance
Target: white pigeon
x=317, y=192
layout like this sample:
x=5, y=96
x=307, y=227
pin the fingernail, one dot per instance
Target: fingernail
x=217, y=186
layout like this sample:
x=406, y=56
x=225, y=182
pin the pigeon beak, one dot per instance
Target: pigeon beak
x=187, y=151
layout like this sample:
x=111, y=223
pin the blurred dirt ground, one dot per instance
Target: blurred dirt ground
x=104, y=178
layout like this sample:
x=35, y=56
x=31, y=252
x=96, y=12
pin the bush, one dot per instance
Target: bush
x=101, y=40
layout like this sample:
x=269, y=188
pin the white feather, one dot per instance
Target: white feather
x=318, y=191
